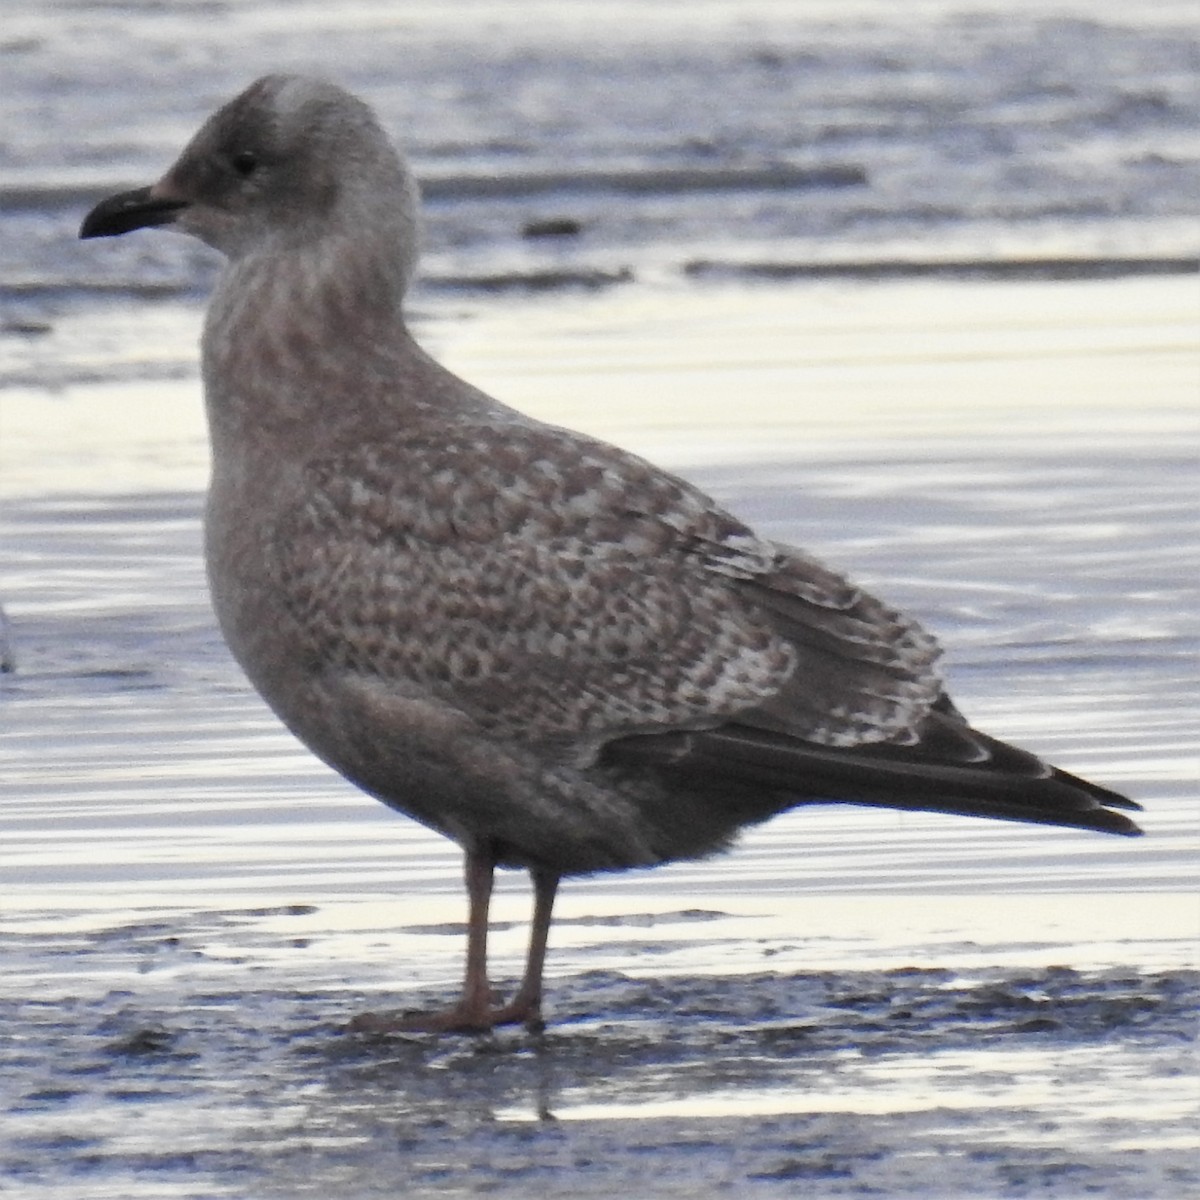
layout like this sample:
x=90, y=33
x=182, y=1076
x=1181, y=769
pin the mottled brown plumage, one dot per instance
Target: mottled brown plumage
x=545, y=648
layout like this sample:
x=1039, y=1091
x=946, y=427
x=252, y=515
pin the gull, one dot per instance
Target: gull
x=556, y=654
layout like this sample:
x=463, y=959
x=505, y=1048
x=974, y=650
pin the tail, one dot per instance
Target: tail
x=952, y=768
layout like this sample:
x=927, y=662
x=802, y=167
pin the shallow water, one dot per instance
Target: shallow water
x=963, y=130
x=852, y=1001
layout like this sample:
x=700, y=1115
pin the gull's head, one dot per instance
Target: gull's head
x=290, y=161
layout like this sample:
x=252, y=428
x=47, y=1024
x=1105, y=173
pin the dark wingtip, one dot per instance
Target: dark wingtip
x=1116, y=823
x=138, y=209
x=1115, y=800
x=1106, y=797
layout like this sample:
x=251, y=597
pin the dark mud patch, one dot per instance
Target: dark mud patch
x=910, y=1082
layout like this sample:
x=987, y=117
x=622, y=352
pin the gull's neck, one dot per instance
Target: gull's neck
x=296, y=325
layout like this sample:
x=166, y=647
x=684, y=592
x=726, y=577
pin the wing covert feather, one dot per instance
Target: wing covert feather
x=556, y=588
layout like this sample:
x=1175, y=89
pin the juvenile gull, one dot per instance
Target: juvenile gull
x=545, y=648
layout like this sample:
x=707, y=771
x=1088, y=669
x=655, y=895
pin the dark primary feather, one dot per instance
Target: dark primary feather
x=880, y=776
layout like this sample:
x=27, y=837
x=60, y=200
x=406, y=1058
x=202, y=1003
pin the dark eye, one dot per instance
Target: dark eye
x=245, y=162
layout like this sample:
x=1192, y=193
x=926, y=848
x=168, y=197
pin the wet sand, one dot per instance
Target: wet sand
x=204, y=1055
x=851, y=1003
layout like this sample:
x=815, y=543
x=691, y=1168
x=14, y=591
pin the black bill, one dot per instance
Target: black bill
x=129, y=210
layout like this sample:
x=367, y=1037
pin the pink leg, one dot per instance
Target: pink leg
x=474, y=1006
x=526, y=1006
x=474, y=1010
